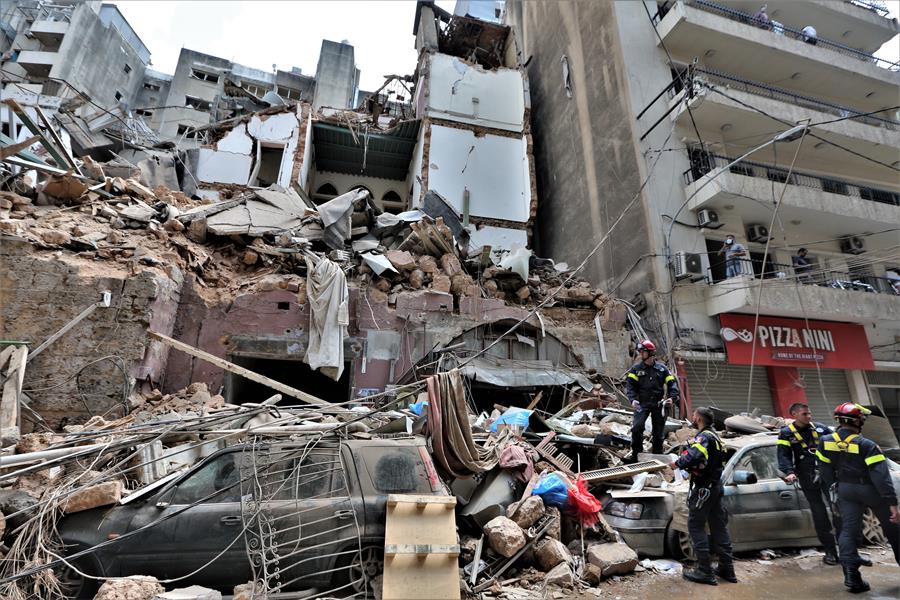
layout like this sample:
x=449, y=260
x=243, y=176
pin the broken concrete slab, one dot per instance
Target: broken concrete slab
x=550, y=552
x=137, y=587
x=612, y=558
x=504, y=536
x=194, y=592
x=561, y=575
x=102, y=494
x=527, y=512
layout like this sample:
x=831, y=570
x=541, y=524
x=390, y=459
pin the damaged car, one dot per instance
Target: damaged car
x=764, y=511
x=299, y=516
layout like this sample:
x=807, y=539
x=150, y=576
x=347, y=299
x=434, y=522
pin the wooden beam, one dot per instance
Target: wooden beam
x=238, y=370
x=13, y=149
x=65, y=328
x=58, y=156
x=9, y=402
x=56, y=140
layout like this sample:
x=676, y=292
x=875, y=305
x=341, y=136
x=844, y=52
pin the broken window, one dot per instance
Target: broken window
x=197, y=103
x=127, y=68
x=143, y=113
x=289, y=93
x=204, y=76
x=187, y=131
x=151, y=86
x=763, y=462
x=256, y=90
x=270, y=158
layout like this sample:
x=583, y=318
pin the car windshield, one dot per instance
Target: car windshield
x=762, y=461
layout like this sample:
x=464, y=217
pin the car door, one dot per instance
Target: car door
x=765, y=511
x=306, y=503
x=207, y=537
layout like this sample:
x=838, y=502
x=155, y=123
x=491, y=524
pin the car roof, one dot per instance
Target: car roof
x=766, y=438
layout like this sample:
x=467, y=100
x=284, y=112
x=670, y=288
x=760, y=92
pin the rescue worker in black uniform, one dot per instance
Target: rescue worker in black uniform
x=857, y=466
x=705, y=459
x=648, y=383
x=797, y=445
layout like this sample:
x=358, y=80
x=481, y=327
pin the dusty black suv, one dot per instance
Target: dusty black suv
x=297, y=514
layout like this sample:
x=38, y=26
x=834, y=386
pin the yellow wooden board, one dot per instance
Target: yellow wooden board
x=421, y=551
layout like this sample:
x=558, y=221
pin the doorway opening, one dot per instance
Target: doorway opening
x=295, y=373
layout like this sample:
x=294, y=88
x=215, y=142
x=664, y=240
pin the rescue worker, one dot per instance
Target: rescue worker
x=648, y=384
x=705, y=459
x=797, y=445
x=857, y=465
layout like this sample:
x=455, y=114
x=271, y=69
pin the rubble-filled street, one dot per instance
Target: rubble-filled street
x=265, y=335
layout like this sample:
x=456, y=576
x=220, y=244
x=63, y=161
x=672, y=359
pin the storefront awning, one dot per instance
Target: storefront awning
x=523, y=373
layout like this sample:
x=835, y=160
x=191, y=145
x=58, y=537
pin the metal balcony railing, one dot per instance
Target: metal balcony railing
x=810, y=275
x=762, y=89
x=781, y=29
x=873, y=5
x=703, y=162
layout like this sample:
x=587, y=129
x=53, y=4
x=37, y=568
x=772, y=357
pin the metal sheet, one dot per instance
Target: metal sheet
x=523, y=373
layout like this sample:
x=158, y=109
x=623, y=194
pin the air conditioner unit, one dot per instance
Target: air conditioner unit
x=687, y=264
x=853, y=245
x=707, y=218
x=758, y=233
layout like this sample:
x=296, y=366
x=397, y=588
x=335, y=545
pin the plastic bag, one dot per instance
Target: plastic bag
x=513, y=416
x=552, y=490
x=583, y=505
x=418, y=407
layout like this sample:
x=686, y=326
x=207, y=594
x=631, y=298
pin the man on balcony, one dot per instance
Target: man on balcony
x=734, y=254
x=802, y=266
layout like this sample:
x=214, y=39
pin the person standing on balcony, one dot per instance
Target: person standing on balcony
x=734, y=253
x=809, y=35
x=762, y=18
x=802, y=266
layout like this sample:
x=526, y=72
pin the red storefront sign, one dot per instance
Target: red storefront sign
x=795, y=343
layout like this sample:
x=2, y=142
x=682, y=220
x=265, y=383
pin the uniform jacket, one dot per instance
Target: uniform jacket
x=705, y=457
x=648, y=385
x=846, y=457
x=797, y=448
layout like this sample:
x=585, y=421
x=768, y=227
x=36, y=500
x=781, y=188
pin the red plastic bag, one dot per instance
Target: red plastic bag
x=583, y=505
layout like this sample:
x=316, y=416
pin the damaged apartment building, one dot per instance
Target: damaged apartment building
x=423, y=198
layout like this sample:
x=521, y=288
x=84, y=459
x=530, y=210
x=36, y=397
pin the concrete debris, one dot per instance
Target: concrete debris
x=612, y=559
x=194, y=592
x=102, y=494
x=527, y=512
x=561, y=575
x=550, y=552
x=504, y=536
x=137, y=587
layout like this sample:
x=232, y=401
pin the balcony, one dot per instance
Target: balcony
x=838, y=207
x=816, y=294
x=50, y=33
x=37, y=63
x=725, y=39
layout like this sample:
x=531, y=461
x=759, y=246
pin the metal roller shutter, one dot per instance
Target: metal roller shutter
x=836, y=387
x=714, y=383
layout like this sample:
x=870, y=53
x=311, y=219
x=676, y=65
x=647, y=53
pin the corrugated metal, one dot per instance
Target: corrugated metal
x=714, y=383
x=822, y=403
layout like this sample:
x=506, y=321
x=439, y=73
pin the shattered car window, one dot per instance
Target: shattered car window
x=320, y=474
x=219, y=474
x=762, y=461
x=397, y=471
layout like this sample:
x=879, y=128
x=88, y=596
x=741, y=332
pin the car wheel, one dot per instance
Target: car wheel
x=358, y=573
x=871, y=529
x=73, y=585
x=678, y=544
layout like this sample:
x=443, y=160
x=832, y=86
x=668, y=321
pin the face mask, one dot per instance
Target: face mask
x=729, y=241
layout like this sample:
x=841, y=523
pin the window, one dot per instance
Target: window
x=397, y=470
x=779, y=176
x=141, y=112
x=834, y=186
x=763, y=462
x=325, y=192
x=127, y=68
x=305, y=474
x=741, y=169
x=879, y=196
x=187, y=131
x=392, y=202
x=151, y=86
x=221, y=473
x=118, y=96
x=197, y=103
x=204, y=76
x=289, y=93
x=255, y=90
x=270, y=159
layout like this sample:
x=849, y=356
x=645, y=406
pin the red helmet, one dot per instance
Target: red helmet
x=848, y=411
x=646, y=345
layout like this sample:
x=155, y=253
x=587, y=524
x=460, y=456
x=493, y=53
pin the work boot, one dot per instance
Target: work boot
x=726, y=572
x=830, y=557
x=864, y=562
x=700, y=575
x=854, y=581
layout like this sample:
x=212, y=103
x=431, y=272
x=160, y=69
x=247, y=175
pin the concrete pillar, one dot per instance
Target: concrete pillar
x=783, y=381
x=859, y=390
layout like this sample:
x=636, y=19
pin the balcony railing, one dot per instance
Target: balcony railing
x=762, y=89
x=873, y=5
x=703, y=162
x=810, y=275
x=781, y=29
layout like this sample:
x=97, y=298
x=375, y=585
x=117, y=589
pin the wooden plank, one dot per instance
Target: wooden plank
x=33, y=128
x=65, y=329
x=5, y=354
x=238, y=370
x=56, y=139
x=13, y=149
x=422, y=549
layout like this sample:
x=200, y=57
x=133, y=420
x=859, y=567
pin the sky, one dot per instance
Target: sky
x=259, y=34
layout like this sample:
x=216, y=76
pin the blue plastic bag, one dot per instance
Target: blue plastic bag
x=418, y=407
x=513, y=416
x=552, y=490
